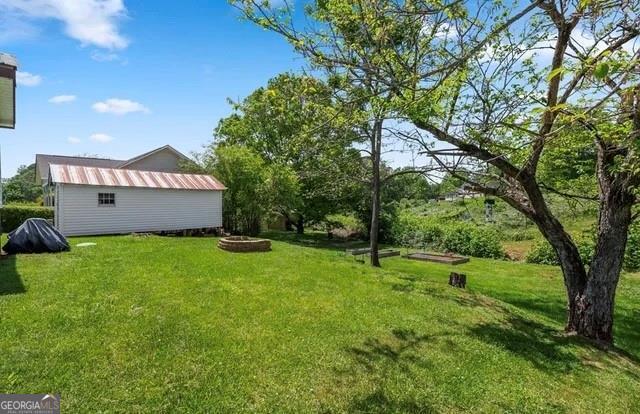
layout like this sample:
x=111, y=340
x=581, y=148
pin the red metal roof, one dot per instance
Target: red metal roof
x=114, y=177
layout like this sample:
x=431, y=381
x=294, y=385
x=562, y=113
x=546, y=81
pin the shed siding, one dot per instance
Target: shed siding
x=136, y=210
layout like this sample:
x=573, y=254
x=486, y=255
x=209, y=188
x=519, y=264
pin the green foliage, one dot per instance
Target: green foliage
x=471, y=240
x=395, y=192
x=519, y=234
x=283, y=188
x=568, y=163
x=345, y=221
x=449, y=184
x=13, y=216
x=254, y=188
x=293, y=121
x=542, y=253
x=458, y=237
x=632, y=253
x=409, y=186
x=22, y=187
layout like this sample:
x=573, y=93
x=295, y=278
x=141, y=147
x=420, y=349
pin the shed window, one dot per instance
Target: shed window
x=106, y=199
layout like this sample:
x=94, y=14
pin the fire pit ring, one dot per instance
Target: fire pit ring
x=244, y=244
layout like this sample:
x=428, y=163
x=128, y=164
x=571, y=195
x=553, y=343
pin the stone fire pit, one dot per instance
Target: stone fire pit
x=243, y=244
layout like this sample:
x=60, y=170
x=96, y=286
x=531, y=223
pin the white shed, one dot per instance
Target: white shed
x=91, y=200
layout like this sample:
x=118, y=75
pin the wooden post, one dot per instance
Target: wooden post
x=458, y=280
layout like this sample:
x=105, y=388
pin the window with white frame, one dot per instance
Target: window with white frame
x=106, y=199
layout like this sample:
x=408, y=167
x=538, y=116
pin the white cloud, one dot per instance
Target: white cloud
x=60, y=99
x=99, y=56
x=102, y=138
x=28, y=79
x=92, y=22
x=74, y=140
x=119, y=107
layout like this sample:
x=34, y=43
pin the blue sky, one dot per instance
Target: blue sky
x=128, y=76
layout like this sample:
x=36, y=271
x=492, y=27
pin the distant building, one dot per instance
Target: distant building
x=465, y=191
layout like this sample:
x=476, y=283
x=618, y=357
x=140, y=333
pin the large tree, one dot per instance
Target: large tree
x=511, y=105
x=293, y=121
x=498, y=86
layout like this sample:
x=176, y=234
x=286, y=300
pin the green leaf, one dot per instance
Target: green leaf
x=601, y=71
x=555, y=72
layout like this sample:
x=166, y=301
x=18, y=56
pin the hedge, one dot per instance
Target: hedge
x=459, y=237
x=13, y=216
x=543, y=253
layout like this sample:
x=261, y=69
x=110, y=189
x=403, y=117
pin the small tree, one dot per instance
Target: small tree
x=244, y=174
x=254, y=189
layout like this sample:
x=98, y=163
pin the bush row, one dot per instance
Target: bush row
x=461, y=237
x=13, y=216
x=543, y=253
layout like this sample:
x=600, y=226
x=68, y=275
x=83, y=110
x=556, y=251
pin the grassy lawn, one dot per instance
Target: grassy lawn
x=150, y=324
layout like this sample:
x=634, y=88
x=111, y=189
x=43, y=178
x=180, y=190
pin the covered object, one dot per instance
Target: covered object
x=35, y=235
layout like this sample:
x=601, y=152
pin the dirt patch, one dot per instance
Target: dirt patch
x=517, y=250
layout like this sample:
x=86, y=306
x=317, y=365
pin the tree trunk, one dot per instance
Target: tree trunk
x=376, y=142
x=287, y=224
x=591, y=309
x=300, y=225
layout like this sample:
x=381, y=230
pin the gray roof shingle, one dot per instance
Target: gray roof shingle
x=43, y=161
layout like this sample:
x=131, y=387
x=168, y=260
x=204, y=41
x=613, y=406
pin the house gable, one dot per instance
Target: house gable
x=163, y=159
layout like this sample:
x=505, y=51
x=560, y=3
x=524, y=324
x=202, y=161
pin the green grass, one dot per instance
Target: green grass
x=154, y=324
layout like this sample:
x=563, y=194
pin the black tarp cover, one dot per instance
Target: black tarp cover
x=35, y=235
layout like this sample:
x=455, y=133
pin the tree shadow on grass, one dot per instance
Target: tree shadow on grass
x=379, y=402
x=10, y=281
x=383, y=360
x=399, y=351
x=545, y=346
x=626, y=319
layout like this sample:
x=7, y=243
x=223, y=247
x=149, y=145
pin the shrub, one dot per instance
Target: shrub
x=345, y=227
x=632, y=254
x=472, y=240
x=543, y=253
x=13, y=216
x=463, y=238
x=347, y=222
